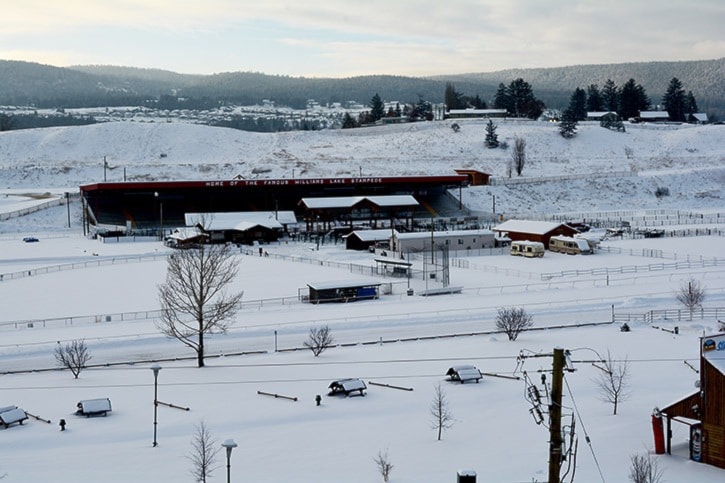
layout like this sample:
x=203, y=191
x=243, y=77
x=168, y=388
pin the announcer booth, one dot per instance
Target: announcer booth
x=703, y=410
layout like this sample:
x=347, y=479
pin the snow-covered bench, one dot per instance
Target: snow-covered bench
x=94, y=407
x=464, y=373
x=12, y=414
x=347, y=387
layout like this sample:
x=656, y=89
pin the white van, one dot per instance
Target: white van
x=569, y=245
x=526, y=248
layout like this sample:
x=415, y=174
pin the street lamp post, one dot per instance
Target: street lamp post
x=161, y=215
x=229, y=444
x=156, y=368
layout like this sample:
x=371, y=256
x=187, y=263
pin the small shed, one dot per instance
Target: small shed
x=94, y=407
x=343, y=291
x=365, y=239
x=702, y=411
x=347, y=387
x=11, y=415
x=464, y=373
x=475, y=177
x=540, y=231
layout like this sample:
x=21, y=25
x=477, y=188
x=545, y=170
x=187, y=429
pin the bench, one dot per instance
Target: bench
x=11, y=415
x=94, y=407
x=347, y=387
x=464, y=373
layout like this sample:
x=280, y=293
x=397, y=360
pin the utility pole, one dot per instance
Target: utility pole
x=555, y=439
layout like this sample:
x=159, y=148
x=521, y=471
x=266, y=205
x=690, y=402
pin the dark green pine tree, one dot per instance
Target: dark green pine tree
x=501, y=100
x=691, y=104
x=567, y=125
x=348, y=122
x=377, y=108
x=610, y=96
x=491, y=140
x=578, y=104
x=453, y=99
x=632, y=100
x=594, y=99
x=674, y=100
x=478, y=103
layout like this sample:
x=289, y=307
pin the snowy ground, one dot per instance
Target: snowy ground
x=283, y=440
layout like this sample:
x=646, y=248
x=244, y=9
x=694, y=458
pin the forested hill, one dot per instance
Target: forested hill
x=705, y=78
x=43, y=86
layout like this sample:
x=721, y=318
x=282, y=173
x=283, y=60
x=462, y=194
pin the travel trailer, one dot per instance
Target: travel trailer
x=526, y=248
x=569, y=245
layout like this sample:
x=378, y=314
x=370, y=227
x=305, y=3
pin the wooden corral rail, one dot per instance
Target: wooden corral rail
x=277, y=396
x=390, y=386
x=652, y=267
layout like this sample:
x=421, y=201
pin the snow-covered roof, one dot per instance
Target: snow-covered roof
x=349, y=384
x=480, y=112
x=240, y=220
x=95, y=405
x=654, y=114
x=598, y=114
x=700, y=116
x=527, y=226
x=370, y=235
x=185, y=233
x=350, y=201
x=416, y=235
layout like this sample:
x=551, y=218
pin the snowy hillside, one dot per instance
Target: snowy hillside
x=687, y=160
x=68, y=287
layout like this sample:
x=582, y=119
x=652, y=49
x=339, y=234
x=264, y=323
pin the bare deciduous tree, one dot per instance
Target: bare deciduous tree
x=644, y=470
x=193, y=299
x=518, y=155
x=320, y=338
x=382, y=460
x=203, y=453
x=440, y=412
x=513, y=321
x=613, y=381
x=691, y=295
x=73, y=356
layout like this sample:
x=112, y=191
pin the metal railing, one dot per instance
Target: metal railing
x=679, y=315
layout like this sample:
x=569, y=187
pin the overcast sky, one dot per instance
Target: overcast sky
x=341, y=38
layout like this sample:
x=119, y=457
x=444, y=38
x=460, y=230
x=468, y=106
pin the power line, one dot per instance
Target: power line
x=586, y=435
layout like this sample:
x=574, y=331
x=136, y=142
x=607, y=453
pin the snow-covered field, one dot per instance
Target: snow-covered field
x=284, y=440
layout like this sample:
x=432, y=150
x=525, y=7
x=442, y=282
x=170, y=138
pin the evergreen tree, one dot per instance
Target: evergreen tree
x=398, y=112
x=423, y=111
x=612, y=122
x=632, y=100
x=491, y=140
x=578, y=104
x=674, y=100
x=453, y=99
x=377, y=108
x=521, y=101
x=501, y=100
x=610, y=96
x=567, y=126
x=690, y=104
x=348, y=122
x=594, y=99
x=478, y=103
